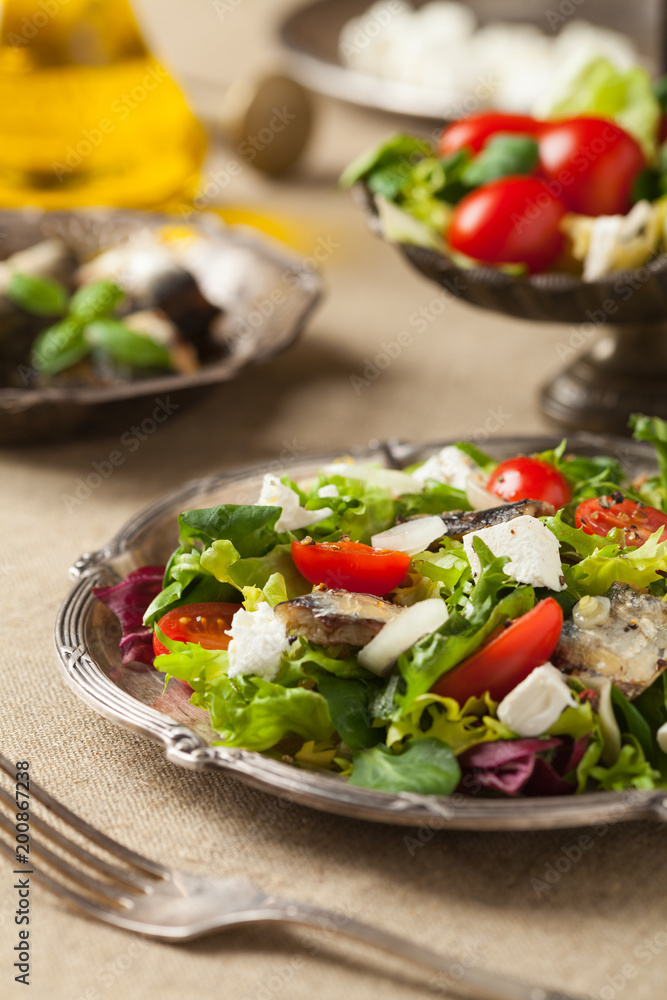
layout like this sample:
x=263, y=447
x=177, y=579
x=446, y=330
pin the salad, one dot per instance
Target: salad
x=499, y=628
x=580, y=186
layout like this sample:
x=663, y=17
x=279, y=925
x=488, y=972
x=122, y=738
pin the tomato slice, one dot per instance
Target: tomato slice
x=350, y=566
x=525, y=478
x=508, y=657
x=600, y=514
x=204, y=623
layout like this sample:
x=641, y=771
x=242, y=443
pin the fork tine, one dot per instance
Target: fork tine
x=102, y=912
x=112, y=846
x=131, y=879
x=110, y=893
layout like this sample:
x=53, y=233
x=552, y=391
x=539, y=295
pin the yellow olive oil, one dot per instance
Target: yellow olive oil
x=87, y=115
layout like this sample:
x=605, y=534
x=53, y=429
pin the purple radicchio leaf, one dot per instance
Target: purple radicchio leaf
x=517, y=766
x=129, y=600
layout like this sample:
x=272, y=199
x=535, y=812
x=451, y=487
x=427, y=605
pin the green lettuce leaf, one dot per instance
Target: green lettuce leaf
x=398, y=152
x=600, y=88
x=654, y=430
x=249, y=527
x=426, y=767
x=460, y=727
x=436, y=654
x=247, y=711
x=348, y=702
x=631, y=770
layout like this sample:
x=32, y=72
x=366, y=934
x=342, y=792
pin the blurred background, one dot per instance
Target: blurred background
x=89, y=117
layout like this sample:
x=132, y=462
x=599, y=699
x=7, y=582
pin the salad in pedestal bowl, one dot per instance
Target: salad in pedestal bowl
x=462, y=625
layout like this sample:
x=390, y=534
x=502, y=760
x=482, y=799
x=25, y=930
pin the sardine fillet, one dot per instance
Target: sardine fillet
x=630, y=649
x=334, y=617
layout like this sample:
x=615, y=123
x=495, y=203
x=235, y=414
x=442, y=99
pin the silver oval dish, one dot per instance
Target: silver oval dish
x=87, y=634
x=267, y=295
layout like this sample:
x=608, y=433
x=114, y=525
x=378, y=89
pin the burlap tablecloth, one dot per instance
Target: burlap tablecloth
x=590, y=920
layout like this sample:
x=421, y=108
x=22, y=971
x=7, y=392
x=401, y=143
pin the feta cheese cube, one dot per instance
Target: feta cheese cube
x=294, y=516
x=451, y=466
x=533, y=551
x=259, y=640
x=535, y=704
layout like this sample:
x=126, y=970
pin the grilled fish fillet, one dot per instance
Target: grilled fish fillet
x=458, y=523
x=630, y=648
x=330, y=617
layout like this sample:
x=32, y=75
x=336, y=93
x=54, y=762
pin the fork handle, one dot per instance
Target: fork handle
x=461, y=979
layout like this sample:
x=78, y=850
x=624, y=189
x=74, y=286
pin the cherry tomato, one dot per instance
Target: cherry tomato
x=507, y=658
x=514, y=220
x=600, y=514
x=204, y=623
x=473, y=132
x=525, y=478
x=591, y=163
x=350, y=566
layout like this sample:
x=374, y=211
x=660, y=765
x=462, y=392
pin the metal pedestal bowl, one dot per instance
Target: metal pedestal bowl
x=620, y=322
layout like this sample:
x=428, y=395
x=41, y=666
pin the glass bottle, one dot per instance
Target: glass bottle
x=87, y=115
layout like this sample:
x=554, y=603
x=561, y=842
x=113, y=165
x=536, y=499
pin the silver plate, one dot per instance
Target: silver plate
x=266, y=295
x=311, y=32
x=87, y=634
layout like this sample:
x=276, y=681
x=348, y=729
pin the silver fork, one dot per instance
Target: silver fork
x=149, y=898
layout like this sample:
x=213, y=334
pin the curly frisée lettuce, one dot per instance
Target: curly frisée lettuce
x=319, y=707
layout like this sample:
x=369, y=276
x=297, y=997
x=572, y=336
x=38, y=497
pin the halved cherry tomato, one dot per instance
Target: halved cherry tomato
x=507, y=658
x=514, y=220
x=600, y=514
x=474, y=131
x=591, y=163
x=525, y=478
x=350, y=566
x=204, y=623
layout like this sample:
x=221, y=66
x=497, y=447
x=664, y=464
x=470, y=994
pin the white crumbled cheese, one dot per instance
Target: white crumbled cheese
x=536, y=703
x=532, y=549
x=620, y=242
x=259, y=640
x=451, y=466
x=662, y=737
x=330, y=490
x=294, y=516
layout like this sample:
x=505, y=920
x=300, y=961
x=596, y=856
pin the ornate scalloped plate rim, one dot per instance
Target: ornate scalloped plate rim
x=326, y=793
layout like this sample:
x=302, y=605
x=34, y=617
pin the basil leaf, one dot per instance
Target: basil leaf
x=95, y=301
x=59, y=347
x=127, y=347
x=427, y=767
x=505, y=155
x=41, y=296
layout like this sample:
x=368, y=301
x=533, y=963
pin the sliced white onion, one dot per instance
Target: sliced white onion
x=400, y=633
x=611, y=732
x=479, y=497
x=590, y=612
x=410, y=536
x=391, y=479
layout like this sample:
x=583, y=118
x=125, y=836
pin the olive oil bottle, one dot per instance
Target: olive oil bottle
x=87, y=115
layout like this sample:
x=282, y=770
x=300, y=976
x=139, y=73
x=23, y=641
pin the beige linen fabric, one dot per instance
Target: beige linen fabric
x=599, y=929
